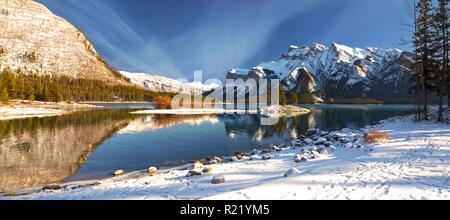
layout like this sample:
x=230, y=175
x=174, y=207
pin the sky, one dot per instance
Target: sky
x=174, y=38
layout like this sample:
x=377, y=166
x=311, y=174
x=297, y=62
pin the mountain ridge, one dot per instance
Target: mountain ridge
x=338, y=72
x=164, y=84
x=34, y=40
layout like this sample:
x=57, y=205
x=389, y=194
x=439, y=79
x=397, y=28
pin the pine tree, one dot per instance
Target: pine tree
x=440, y=24
x=29, y=91
x=294, y=98
x=282, y=95
x=4, y=97
x=422, y=42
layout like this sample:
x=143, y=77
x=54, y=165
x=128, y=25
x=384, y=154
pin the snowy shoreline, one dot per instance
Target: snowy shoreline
x=413, y=164
x=271, y=111
x=19, y=109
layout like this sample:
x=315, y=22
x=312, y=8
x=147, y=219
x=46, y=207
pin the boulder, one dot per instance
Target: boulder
x=312, y=132
x=324, y=133
x=315, y=155
x=207, y=170
x=291, y=172
x=118, y=172
x=234, y=158
x=308, y=141
x=266, y=158
x=152, y=171
x=300, y=159
x=344, y=140
x=218, y=159
x=194, y=173
x=320, y=141
x=266, y=151
x=219, y=179
x=213, y=162
x=275, y=148
x=323, y=151
x=197, y=165
x=328, y=143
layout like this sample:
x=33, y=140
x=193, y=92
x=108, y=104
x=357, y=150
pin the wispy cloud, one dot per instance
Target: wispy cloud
x=175, y=37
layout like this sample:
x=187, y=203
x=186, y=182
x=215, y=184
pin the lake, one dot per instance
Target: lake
x=35, y=152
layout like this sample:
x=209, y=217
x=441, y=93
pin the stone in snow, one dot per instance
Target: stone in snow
x=308, y=141
x=219, y=179
x=316, y=155
x=324, y=133
x=323, y=151
x=321, y=141
x=197, y=165
x=301, y=158
x=312, y=132
x=266, y=158
x=207, y=170
x=344, y=140
x=275, y=148
x=291, y=172
x=152, y=171
x=218, y=159
x=118, y=172
x=194, y=173
x=328, y=143
x=213, y=162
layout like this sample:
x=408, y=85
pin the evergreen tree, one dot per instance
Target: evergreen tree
x=422, y=41
x=4, y=97
x=440, y=23
x=29, y=91
x=282, y=95
x=294, y=98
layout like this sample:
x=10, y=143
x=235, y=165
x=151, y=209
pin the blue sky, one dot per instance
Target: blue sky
x=175, y=37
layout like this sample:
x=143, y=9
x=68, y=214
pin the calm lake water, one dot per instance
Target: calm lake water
x=88, y=145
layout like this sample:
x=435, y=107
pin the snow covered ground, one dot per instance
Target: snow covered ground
x=189, y=111
x=274, y=111
x=26, y=109
x=413, y=164
x=8, y=113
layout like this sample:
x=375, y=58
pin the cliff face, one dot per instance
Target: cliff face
x=338, y=72
x=35, y=40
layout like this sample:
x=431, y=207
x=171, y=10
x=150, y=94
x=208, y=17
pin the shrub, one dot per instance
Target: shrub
x=163, y=102
x=374, y=136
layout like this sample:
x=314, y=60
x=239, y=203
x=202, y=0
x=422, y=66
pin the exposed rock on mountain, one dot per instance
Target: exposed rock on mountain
x=338, y=72
x=34, y=40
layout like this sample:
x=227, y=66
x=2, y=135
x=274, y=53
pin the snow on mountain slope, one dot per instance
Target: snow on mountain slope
x=163, y=84
x=34, y=40
x=341, y=71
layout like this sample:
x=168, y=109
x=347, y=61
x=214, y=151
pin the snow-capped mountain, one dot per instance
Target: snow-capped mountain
x=34, y=40
x=163, y=84
x=337, y=72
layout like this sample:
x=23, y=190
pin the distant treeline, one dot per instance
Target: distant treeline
x=17, y=85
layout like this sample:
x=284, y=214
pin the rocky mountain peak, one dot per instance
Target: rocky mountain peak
x=34, y=40
x=339, y=71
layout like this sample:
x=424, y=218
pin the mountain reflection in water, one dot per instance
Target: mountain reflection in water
x=39, y=151
x=87, y=145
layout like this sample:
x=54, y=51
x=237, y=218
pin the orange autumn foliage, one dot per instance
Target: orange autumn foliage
x=374, y=136
x=163, y=102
